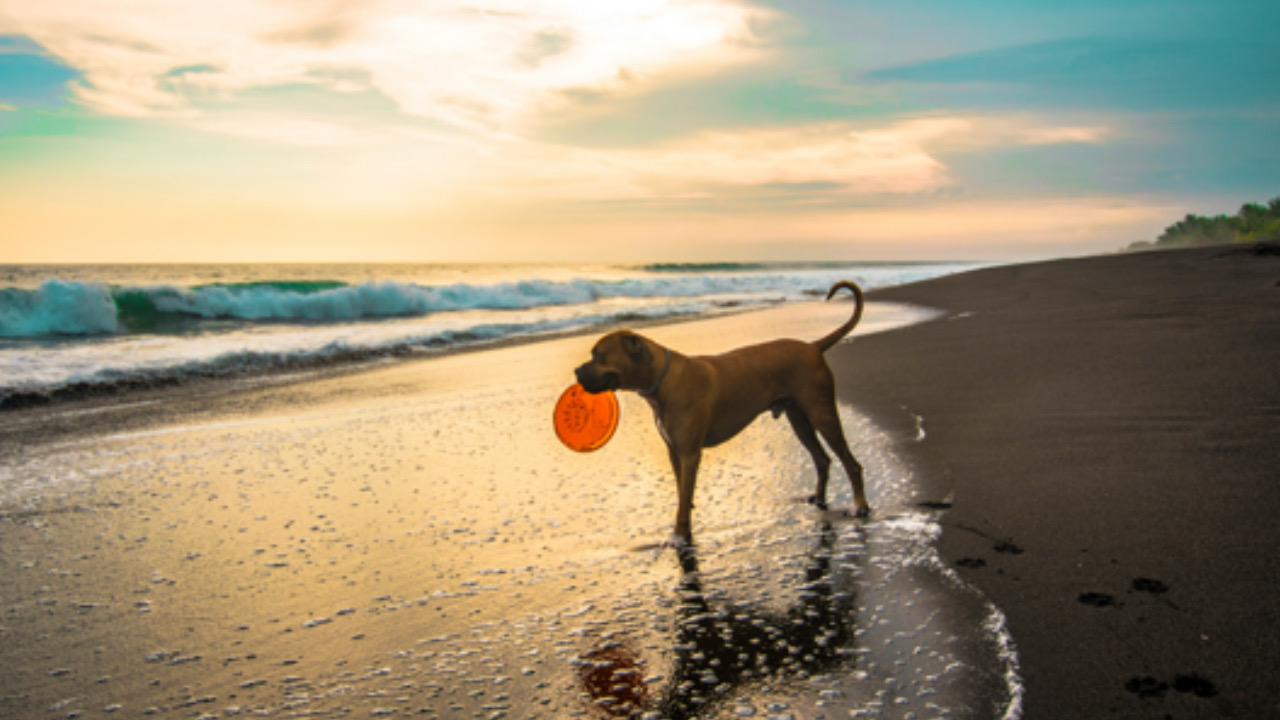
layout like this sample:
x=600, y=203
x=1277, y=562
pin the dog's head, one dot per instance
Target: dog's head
x=621, y=360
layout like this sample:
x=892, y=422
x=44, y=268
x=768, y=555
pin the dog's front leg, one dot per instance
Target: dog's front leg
x=686, y=464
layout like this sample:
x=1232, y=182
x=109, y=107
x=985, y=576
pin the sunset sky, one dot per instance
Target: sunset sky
x=690, y=130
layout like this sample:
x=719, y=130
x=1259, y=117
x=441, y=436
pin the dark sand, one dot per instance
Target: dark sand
x=1109, y=429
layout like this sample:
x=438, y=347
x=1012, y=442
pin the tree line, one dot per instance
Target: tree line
x=1254, y=222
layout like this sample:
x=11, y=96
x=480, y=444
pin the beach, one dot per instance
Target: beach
x=1108, y=432
x=1071, y=466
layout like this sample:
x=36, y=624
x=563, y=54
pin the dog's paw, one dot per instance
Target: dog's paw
x=818, y=502
x=677, y=542
x=862, y=512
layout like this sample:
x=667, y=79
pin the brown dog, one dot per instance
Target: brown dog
x=702, y=401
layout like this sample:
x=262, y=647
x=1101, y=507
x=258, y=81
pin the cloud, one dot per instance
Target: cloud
x=545, y=44
x=1060, y=135
x=485, y=65
x=889, y=160
x=831, y=158
x=320, y=24
x=283, y=130
x=801, y=164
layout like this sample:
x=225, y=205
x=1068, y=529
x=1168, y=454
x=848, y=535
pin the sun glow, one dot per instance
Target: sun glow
x=473, y=65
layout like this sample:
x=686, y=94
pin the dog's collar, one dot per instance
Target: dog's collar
x=653, y=389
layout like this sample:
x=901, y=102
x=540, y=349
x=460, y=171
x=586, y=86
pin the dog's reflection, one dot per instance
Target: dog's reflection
x=722, y=646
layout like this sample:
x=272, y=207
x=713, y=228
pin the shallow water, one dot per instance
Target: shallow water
x=442, y=556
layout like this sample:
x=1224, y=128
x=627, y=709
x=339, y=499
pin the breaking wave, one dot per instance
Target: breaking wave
x=78, y=335
x=64, y=308
x=57, y=308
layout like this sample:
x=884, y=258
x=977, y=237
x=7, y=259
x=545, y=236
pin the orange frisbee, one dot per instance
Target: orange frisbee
x=585, y=422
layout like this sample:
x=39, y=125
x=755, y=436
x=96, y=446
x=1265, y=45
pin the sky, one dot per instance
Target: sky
x=651, y=130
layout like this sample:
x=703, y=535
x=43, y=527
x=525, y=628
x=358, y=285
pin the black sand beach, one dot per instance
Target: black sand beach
x=1096, y=438
x=1109, y=431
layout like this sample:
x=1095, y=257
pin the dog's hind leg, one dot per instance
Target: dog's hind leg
x=827, y=421
x=821, y=461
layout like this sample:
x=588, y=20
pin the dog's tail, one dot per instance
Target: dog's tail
x=827, y=342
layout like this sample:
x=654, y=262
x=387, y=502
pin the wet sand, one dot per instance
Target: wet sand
x=412, y=540
x=1108, y=431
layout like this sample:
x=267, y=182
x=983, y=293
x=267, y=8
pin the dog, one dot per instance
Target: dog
x=700, y=402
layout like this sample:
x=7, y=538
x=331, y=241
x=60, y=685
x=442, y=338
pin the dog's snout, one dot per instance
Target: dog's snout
x=593, y=380
x=587, y=378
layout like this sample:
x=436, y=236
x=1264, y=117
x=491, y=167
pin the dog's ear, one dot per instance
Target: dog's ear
x=637, y=349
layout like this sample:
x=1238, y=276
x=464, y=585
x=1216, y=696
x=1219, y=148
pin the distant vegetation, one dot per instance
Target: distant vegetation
x=1254, y=223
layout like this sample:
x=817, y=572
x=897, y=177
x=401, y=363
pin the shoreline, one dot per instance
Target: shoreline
x=36, y=420
x=317, y=368
x=61, y=416
x=413, y=541
x=1104, y=432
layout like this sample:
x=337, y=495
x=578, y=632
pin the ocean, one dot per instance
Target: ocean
x=76, y=330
